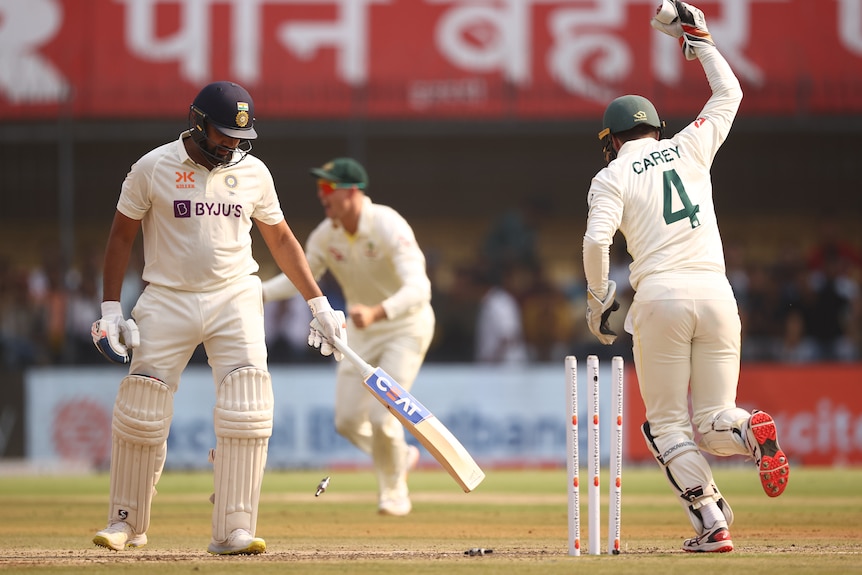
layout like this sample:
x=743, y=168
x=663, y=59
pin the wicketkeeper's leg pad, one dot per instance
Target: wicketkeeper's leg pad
x=724, y=435
x=688, y=474
x=243, y=426
x=141, y=422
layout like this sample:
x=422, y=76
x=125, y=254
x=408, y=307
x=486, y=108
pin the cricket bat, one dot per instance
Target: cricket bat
x=424, y=426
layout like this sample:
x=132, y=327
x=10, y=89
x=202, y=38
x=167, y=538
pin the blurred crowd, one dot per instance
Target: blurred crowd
x=802, y=306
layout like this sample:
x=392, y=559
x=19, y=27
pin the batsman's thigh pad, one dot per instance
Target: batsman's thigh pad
x=688, y=474
x=243, y=425
x=724, y=435
x=142, y=419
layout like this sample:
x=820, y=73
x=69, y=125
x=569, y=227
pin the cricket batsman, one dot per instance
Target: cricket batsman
x=195, y=199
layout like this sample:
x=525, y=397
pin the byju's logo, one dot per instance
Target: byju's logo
x=182, y=208
x=185, y=209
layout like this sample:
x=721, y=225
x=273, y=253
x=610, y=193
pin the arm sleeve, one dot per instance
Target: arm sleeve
x=708, y=132
x=268, y=209
x=603, y=220
x=135, y=200
x=409, y=264
x=726, y=90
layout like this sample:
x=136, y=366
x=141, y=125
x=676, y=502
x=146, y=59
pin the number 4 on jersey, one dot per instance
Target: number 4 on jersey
x=671, y=183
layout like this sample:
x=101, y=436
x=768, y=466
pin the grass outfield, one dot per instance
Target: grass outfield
x=47, y=523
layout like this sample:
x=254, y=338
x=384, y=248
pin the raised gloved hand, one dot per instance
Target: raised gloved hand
x=329, y=323
x=684, y=21
x=113, y=335
x=598, y=312
x=694, y=32
x=666, y=19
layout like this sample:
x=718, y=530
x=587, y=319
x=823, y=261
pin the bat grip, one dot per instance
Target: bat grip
x=364, y=368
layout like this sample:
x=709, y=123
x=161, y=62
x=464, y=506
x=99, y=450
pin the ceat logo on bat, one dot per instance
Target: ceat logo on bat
x=396, y=397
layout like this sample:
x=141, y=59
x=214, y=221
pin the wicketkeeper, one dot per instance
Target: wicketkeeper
x=684, y=320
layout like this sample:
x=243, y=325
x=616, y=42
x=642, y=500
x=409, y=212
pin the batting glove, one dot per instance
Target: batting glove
x=694, y=32
x=113, y=335
x=330, y=323
x=598, y=312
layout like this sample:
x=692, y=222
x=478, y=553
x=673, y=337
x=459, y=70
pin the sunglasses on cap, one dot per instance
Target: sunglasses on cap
x=326, y=187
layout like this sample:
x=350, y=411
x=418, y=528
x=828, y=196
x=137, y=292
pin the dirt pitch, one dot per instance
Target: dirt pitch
x=48, y=523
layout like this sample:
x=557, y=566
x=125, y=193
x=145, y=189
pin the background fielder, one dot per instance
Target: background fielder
x=195, y=199
x=684, y=318
x=372, y=252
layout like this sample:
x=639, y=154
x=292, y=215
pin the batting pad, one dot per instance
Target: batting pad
x=688, y=474
x=243, y=425
x=141, y=422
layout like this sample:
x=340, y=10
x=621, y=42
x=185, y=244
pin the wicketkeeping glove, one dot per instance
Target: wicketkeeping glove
x=329, y=323
x=113, y=335
x=666, y=19
x=694, y=32
x=598, y=312
x=683, y=21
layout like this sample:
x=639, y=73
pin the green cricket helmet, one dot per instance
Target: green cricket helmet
x=623, y=114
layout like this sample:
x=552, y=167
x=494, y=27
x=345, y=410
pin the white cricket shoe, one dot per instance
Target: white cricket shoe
x=397, y=506
x=239, y=542
x=119, y=535
x=400, y=505
x=714, y=540
x=772, y=464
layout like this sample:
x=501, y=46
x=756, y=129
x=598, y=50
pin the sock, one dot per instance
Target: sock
x=711, y=514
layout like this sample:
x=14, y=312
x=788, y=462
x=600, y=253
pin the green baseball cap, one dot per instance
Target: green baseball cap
x=343, y=171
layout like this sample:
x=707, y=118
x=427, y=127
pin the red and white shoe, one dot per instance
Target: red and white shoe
x=716, y=540
x=772, y=464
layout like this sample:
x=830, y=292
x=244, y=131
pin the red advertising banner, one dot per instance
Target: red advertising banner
x=817, y=408
x=474, y=59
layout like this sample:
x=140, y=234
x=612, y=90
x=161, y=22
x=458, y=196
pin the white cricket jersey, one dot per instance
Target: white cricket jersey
x=380, y=263
x=659, y=195
x=196, y=222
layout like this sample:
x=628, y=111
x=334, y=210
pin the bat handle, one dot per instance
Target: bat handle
x=364, y=368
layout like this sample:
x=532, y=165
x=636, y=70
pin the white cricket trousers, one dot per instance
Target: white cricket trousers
x=399, y=348
x=682, y=344
x=228, y=321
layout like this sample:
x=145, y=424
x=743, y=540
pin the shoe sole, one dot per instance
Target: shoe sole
x=774, y=468
x=716, y=546
x=255, y=548
x=394, y=512
x=727, y=548
x=102, y=541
